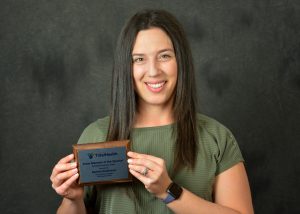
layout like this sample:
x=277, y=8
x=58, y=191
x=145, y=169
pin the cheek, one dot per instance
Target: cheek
x=137, y=74
x=171, y=70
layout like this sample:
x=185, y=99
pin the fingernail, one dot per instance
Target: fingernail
x=129, y=160
x=73, y=164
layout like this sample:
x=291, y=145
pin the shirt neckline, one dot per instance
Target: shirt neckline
x=167, y=126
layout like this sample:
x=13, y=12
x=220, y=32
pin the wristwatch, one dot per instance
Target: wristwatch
x=174, y=192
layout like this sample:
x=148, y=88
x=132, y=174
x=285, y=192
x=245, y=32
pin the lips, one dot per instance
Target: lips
x=155, y=87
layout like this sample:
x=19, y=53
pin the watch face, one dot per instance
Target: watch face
x=175, y=190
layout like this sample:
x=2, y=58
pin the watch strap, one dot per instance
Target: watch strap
x=168, y=199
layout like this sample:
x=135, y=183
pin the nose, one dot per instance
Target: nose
x=153, y=68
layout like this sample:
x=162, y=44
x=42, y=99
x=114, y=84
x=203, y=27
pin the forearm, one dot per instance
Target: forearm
x=190, y=203
x=72, y=207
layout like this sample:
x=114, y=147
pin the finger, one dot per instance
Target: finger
x=139, y=169
x=65, y=166
x=60, y=178
x=66, y=159
x=61, y=167
x=136, y=155
x=143, y=162
x=145, y=180
x=63, y=189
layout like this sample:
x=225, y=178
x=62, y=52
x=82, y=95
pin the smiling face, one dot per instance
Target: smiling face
x=154, y=68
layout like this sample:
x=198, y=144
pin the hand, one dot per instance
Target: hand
x=64, y=177
x=156, y=178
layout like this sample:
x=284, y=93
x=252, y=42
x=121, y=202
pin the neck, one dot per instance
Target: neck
x=148, y=116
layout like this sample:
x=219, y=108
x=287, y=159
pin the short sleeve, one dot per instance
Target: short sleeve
x=229, y=153
x=95, y=132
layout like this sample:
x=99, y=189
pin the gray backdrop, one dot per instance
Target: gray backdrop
x=56, y=61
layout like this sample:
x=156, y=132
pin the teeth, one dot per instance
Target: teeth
x=156, y=85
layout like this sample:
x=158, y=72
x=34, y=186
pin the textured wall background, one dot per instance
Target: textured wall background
x=55, y=64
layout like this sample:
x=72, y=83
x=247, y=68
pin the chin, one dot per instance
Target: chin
x=157, y=102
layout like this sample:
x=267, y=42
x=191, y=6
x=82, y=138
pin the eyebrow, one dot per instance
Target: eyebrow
x=163, y=50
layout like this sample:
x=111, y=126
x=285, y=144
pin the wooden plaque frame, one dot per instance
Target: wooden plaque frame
x=95, y=147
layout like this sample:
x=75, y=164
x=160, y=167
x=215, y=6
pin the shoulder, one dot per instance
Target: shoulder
x=212, y=126
x=95, y=132
x=219, y=140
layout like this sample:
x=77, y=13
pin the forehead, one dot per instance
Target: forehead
x=153, y=39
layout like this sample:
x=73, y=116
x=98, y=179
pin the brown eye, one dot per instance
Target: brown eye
x=164, y=57
x=138, y=60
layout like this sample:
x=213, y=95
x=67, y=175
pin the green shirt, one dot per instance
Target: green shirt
x=217, y=151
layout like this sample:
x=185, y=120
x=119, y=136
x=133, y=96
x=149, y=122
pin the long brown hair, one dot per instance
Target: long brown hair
x=123, y=97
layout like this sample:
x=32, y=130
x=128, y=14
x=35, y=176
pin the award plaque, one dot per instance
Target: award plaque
x=100, y=163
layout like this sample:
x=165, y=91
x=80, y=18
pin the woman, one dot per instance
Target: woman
x=183, y=162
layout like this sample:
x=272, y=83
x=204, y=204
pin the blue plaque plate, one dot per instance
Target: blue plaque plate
x=102, y=162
